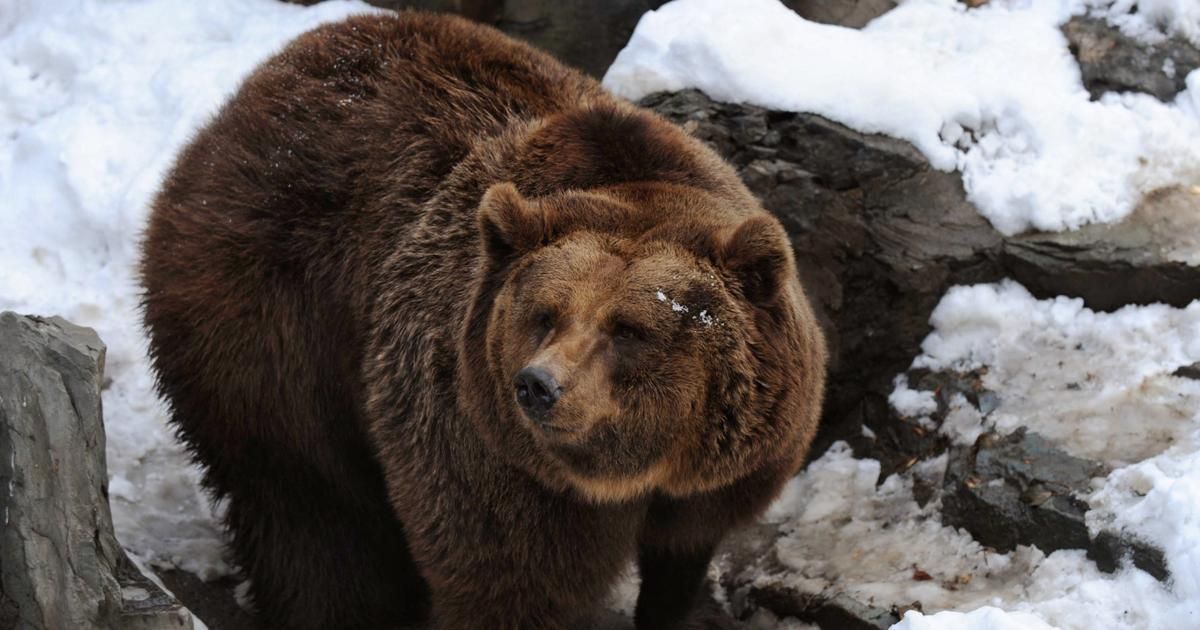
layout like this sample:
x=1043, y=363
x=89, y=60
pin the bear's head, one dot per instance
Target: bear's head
x=638, y=338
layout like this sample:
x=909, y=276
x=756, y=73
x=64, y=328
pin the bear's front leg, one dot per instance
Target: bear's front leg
x=671, y=585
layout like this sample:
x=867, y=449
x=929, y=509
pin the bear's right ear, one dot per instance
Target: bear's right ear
x=757, y=253
x=510, y=224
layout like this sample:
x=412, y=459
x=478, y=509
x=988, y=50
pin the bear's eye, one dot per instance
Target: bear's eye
x=628, y=332
x=544, y=321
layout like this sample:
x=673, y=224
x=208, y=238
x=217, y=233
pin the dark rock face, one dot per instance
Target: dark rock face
x=1189, y=371
x=880, y=236
x=60, y=565
x=901, y=442
x=1018, y=490
x=214, y=602
x=583, y=33
x=1113, y=62
x=837, y=611
x=851, y=13
x=1021, y=490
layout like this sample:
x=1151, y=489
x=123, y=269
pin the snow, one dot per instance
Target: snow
x=1099, y=385
x=95, y=98
x=704, y=317
x=911, y=403
x=986, y=618
x=1151, y=20
x=992, y=92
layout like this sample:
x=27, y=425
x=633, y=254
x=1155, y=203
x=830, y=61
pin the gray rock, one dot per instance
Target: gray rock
x=901, y=442
x=214, y=601
x=879, y=236
x=851, y=13
x=1189, y=371
x=827, y=611
x=1018, y=490
x=1113, y=62
x=1108, y=549
x=1021, y=490
x=145, y=606
x=584, y=33
x=60, y=564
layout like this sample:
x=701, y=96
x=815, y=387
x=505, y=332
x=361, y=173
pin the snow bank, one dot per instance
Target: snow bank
x=992, y=92
x=95, y=98
x=1100, y=385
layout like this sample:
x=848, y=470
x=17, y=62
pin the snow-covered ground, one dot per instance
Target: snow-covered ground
x=96, y=96
x=1099, y=385
x=993, y=92
x=95, y=99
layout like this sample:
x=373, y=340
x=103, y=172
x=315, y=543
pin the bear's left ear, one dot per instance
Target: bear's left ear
x=509, y=224
x=756, y=253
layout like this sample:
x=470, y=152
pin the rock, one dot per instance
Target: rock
x=60, y=564
x=1108, y=549
x=214, y=601
x=851, y=13
x=583, y=33
x=1113, y=62
x=146, y=606
x=837, y=611
x=1189, y=371
x=1018, y=490
x=1021, y=490
x=879, y=236
x=1151, y=256
x=901, y=442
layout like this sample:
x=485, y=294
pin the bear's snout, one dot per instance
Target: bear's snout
x=537, y=390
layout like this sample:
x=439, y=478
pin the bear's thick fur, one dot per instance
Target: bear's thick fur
x=458, y=335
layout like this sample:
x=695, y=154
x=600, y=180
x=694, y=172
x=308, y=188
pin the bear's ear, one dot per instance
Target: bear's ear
x=755, y=252
x=509, y=224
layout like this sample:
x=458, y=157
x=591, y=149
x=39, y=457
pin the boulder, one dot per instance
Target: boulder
x=1021, y=490
x=60, y=564
x=850, y=13
x=1110, y=61
x=583, y=33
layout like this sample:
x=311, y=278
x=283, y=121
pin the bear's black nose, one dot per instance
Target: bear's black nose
x=537, y=391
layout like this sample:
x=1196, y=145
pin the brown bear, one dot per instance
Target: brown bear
x=458, y=335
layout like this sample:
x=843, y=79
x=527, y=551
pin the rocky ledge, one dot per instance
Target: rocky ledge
x=60, y=564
